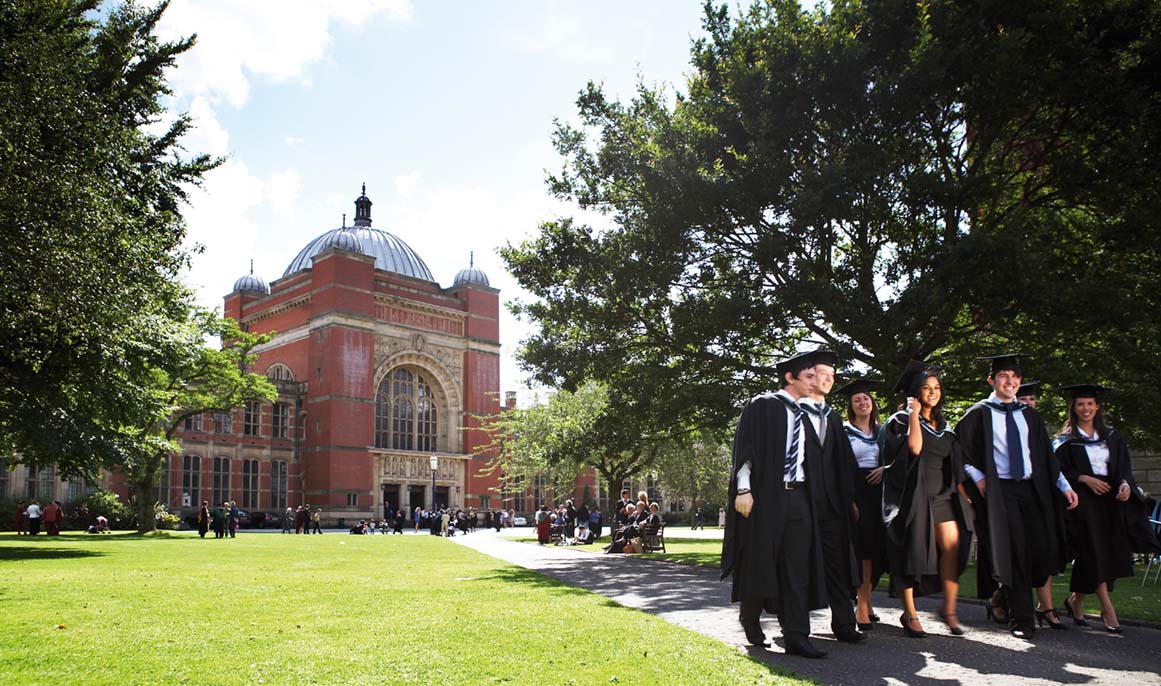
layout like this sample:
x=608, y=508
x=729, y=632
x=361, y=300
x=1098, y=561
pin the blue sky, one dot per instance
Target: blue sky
x=444, y=109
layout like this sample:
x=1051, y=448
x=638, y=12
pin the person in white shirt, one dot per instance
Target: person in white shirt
x=1094, y=456
x=33, y=515
x=1011, y=477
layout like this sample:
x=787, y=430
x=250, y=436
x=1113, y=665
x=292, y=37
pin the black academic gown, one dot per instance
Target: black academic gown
x=1103, y=532
x=751, y=546
x=994, y=549
x=912, y=554
x=838, y=459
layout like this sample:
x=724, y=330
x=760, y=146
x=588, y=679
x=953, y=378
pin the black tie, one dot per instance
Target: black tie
x=1015, y=450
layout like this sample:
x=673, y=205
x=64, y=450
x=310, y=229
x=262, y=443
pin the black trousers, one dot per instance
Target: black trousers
x=793, y=571
x=836, y=553
x=1026, y=541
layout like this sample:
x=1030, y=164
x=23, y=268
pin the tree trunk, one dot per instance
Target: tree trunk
x=142, y=495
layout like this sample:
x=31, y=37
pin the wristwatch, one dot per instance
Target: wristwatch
x=743, y=491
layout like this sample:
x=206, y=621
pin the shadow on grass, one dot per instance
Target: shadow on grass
x=529, y=578
x=34, y=553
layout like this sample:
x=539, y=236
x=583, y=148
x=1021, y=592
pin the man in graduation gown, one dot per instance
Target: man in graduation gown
x=771, y=547
x=833, y=509
x=1008, y=458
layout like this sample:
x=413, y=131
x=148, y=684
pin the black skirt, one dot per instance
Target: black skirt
x=870, y=534
x=1095, y=533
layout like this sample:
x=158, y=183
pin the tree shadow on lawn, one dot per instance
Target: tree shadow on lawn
x=10, y=552
x=528, y=578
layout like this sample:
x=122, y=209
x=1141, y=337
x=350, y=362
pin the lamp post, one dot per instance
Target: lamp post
x=434, y=466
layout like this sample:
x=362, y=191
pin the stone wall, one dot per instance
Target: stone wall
x=1147, y=470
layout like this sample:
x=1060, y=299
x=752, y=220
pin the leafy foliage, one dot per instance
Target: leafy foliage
x=889, y=179
x=91, y=186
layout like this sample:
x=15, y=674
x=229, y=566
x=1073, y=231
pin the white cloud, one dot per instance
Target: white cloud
x=294, y=140
x=271, y=40
x=567, y=36
x=405, y=185
x=282, y=192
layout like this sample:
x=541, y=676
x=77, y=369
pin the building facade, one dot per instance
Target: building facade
x=378, y=369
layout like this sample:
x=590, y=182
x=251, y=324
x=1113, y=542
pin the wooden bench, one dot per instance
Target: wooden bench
x=653, y=538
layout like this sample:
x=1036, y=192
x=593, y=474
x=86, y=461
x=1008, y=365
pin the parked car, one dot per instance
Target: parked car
x=519, y=520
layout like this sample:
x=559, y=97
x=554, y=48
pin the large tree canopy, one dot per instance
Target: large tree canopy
x=90, y=224
x=890, y=179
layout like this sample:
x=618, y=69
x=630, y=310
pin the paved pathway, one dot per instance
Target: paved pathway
x=693, y=598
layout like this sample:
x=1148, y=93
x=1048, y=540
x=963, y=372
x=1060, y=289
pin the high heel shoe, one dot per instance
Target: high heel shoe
x=905, y=622
x=995, y=613
x=1077, y=616
x=1111, y=629
x=955, y=630
x=869, y=626
x=1042, y=618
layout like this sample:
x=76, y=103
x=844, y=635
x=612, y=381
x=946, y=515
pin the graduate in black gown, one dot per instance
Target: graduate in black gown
x=771, y=547
x=1094, y=457
x=835, y=512
x=869, y=536
x=1016, y=489
x=927, y=533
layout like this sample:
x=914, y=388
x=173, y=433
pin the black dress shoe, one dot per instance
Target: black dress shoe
x=1025, y=633
x=848, y=634
x=803, y=647
x=753, y=629
x=869, y=626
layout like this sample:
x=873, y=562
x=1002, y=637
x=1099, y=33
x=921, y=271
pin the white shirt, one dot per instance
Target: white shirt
x=1000, y=447
x=33, y=511
x=866, y=452
x=800, y=467
x=1098, y=454
x=817, y=420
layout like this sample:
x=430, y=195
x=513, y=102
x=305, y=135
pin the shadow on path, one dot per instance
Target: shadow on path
x=693, y=597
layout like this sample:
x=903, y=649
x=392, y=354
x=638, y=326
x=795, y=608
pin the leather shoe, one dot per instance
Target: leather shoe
x=848, y=634
x=753, y=629
x=803, y=647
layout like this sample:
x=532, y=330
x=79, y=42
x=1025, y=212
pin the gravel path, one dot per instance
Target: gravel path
x=692, y=597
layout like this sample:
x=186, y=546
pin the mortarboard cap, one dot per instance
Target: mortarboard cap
x=1031, y=388
x=1007, y=361
x=1087, y=390
x=857, y=386
x=913, y=375
x=794, y=364
x=822, y=356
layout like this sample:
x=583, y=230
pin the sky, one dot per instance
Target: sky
x=444, y=109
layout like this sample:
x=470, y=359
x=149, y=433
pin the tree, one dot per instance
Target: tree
x=694, y=469
x=91, y=188
x=572, y=431
x=186, y=378
x=889, y=179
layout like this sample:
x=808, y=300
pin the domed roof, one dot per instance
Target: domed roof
x=471, y=275
x=390, y=253
x=344, y=239
x=251, y=284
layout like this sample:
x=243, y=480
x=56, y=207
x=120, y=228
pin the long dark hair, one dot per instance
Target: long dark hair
x=1098, y=421
x=874, y=412
x=938, y=421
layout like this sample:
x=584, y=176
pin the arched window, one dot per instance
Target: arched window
x=405, y=412
x=279, y=372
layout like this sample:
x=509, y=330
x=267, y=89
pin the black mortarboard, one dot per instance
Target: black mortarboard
x=794, y=364
x=1087, y=390
x=857, y=386
x=1031, y=388
x=822, y=356
x=1011, y=361
x=913, y=375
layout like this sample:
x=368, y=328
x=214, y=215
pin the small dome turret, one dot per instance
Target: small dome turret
x=249, y=283
x=471, y=275
x=343, y=239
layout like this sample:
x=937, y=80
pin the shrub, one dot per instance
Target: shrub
x=165, y=518
x=100, y=502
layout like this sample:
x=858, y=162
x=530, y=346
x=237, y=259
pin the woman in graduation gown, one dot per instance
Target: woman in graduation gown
x=862, y=430
x=1093, y=456
x=927, y=535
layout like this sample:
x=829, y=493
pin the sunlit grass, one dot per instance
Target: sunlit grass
x=333, y=609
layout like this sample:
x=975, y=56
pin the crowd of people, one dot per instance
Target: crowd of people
x=630, y=521
x=823, y=507
x=30, y=518
x=567, y=524
x=222, y=519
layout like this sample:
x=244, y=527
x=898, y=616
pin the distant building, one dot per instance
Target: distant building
x=378, y=368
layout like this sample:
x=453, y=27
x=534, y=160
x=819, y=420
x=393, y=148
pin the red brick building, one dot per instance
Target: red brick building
x=378, y=369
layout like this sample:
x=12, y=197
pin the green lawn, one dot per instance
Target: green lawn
x=333, y=609
x=1130, y=599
